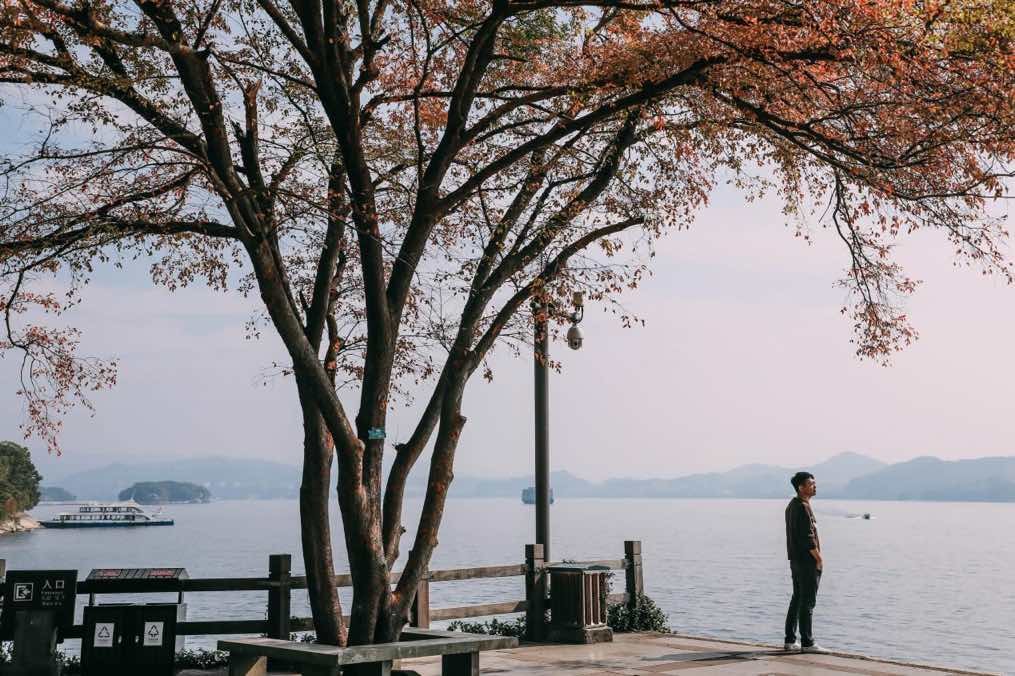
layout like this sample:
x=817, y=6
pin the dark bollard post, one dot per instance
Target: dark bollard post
x=279, y=601
x=535, y=593
x=279, y=596
x=419, y=614
x=635, y=583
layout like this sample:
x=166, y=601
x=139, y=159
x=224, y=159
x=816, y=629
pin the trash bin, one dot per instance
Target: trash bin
x=578, y=606
x=129, y=639
x=155, y=640
x=103, y=645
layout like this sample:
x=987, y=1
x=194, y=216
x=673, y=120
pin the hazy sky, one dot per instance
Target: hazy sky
x=745, y=358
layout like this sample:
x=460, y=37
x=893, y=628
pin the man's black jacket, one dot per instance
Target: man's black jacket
x=801, y=531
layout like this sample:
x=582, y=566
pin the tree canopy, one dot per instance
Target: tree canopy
x=19, y=480
x=398, y=179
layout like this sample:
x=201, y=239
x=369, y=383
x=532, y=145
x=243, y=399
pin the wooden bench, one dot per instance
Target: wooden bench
x=459, y=653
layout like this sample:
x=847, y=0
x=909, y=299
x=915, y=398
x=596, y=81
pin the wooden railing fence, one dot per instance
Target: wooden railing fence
x=280, y=584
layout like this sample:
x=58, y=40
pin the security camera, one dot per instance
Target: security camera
x=574, y=337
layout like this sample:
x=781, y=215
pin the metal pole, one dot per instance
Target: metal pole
x=542, y=419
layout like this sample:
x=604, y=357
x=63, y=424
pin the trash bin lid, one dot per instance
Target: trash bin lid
x=138, y=574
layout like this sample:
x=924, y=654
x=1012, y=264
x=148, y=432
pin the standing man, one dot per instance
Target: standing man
x=804, y=550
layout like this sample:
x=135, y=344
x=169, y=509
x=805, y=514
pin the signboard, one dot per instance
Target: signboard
x=52, y=590
x=104, y=634
x=153, y=632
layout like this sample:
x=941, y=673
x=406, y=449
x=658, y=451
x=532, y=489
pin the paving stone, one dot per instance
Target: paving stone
x=653, y=654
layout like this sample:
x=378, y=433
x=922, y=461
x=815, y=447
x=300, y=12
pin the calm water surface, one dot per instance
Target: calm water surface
x=932, y=582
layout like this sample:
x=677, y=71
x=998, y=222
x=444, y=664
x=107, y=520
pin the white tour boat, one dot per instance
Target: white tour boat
x=116, y=515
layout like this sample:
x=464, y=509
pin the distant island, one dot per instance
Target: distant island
x=164, y=492
x=55, y=494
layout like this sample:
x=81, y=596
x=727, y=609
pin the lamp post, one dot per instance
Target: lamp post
x=541, y=344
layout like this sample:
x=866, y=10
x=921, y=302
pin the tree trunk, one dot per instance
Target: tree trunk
x=369, y=570
x=315, y=525
x=439, y=481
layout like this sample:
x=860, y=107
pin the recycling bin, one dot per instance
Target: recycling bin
x=155, y=640
x=103, y=645
x=578, y=609
x=129, y=639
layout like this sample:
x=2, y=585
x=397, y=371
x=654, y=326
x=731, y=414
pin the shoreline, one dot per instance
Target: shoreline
x=19, y=523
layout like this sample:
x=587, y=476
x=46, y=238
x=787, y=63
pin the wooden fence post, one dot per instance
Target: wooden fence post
x=419, y=614
x=635, y=582
x=279, y=596
x=535, y=593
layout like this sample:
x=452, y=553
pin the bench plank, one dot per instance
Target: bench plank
x=310, y=653
x=415, y=643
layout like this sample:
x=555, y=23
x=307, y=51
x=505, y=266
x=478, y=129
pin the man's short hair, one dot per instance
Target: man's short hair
x=799, y=478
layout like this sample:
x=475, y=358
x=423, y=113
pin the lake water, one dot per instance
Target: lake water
x=931, y=582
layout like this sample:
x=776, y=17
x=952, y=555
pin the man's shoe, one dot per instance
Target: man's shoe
x=791, y=647
x=815, y=649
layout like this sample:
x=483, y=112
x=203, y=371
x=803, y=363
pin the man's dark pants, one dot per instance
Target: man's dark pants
x=806, y=577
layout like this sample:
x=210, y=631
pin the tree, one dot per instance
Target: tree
x=19, y=480
x=398, y=180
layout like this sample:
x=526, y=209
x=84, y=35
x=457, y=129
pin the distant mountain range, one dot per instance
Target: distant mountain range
x=844, y=476
x=747, y=481
x=983, y=479
x=226, y=478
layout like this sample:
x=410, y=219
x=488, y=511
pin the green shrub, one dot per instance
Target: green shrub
x=202, y=659
x=494, y=627
x=646, y=616
x=185, y=659
x=71, y=664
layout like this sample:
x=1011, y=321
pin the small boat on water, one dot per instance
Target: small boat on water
x=115, y=515
x=529, y=495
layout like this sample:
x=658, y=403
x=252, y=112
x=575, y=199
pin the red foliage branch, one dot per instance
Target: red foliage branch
x=396, y=178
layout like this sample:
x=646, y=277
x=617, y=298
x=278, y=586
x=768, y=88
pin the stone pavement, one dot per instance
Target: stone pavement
x=649, y=654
